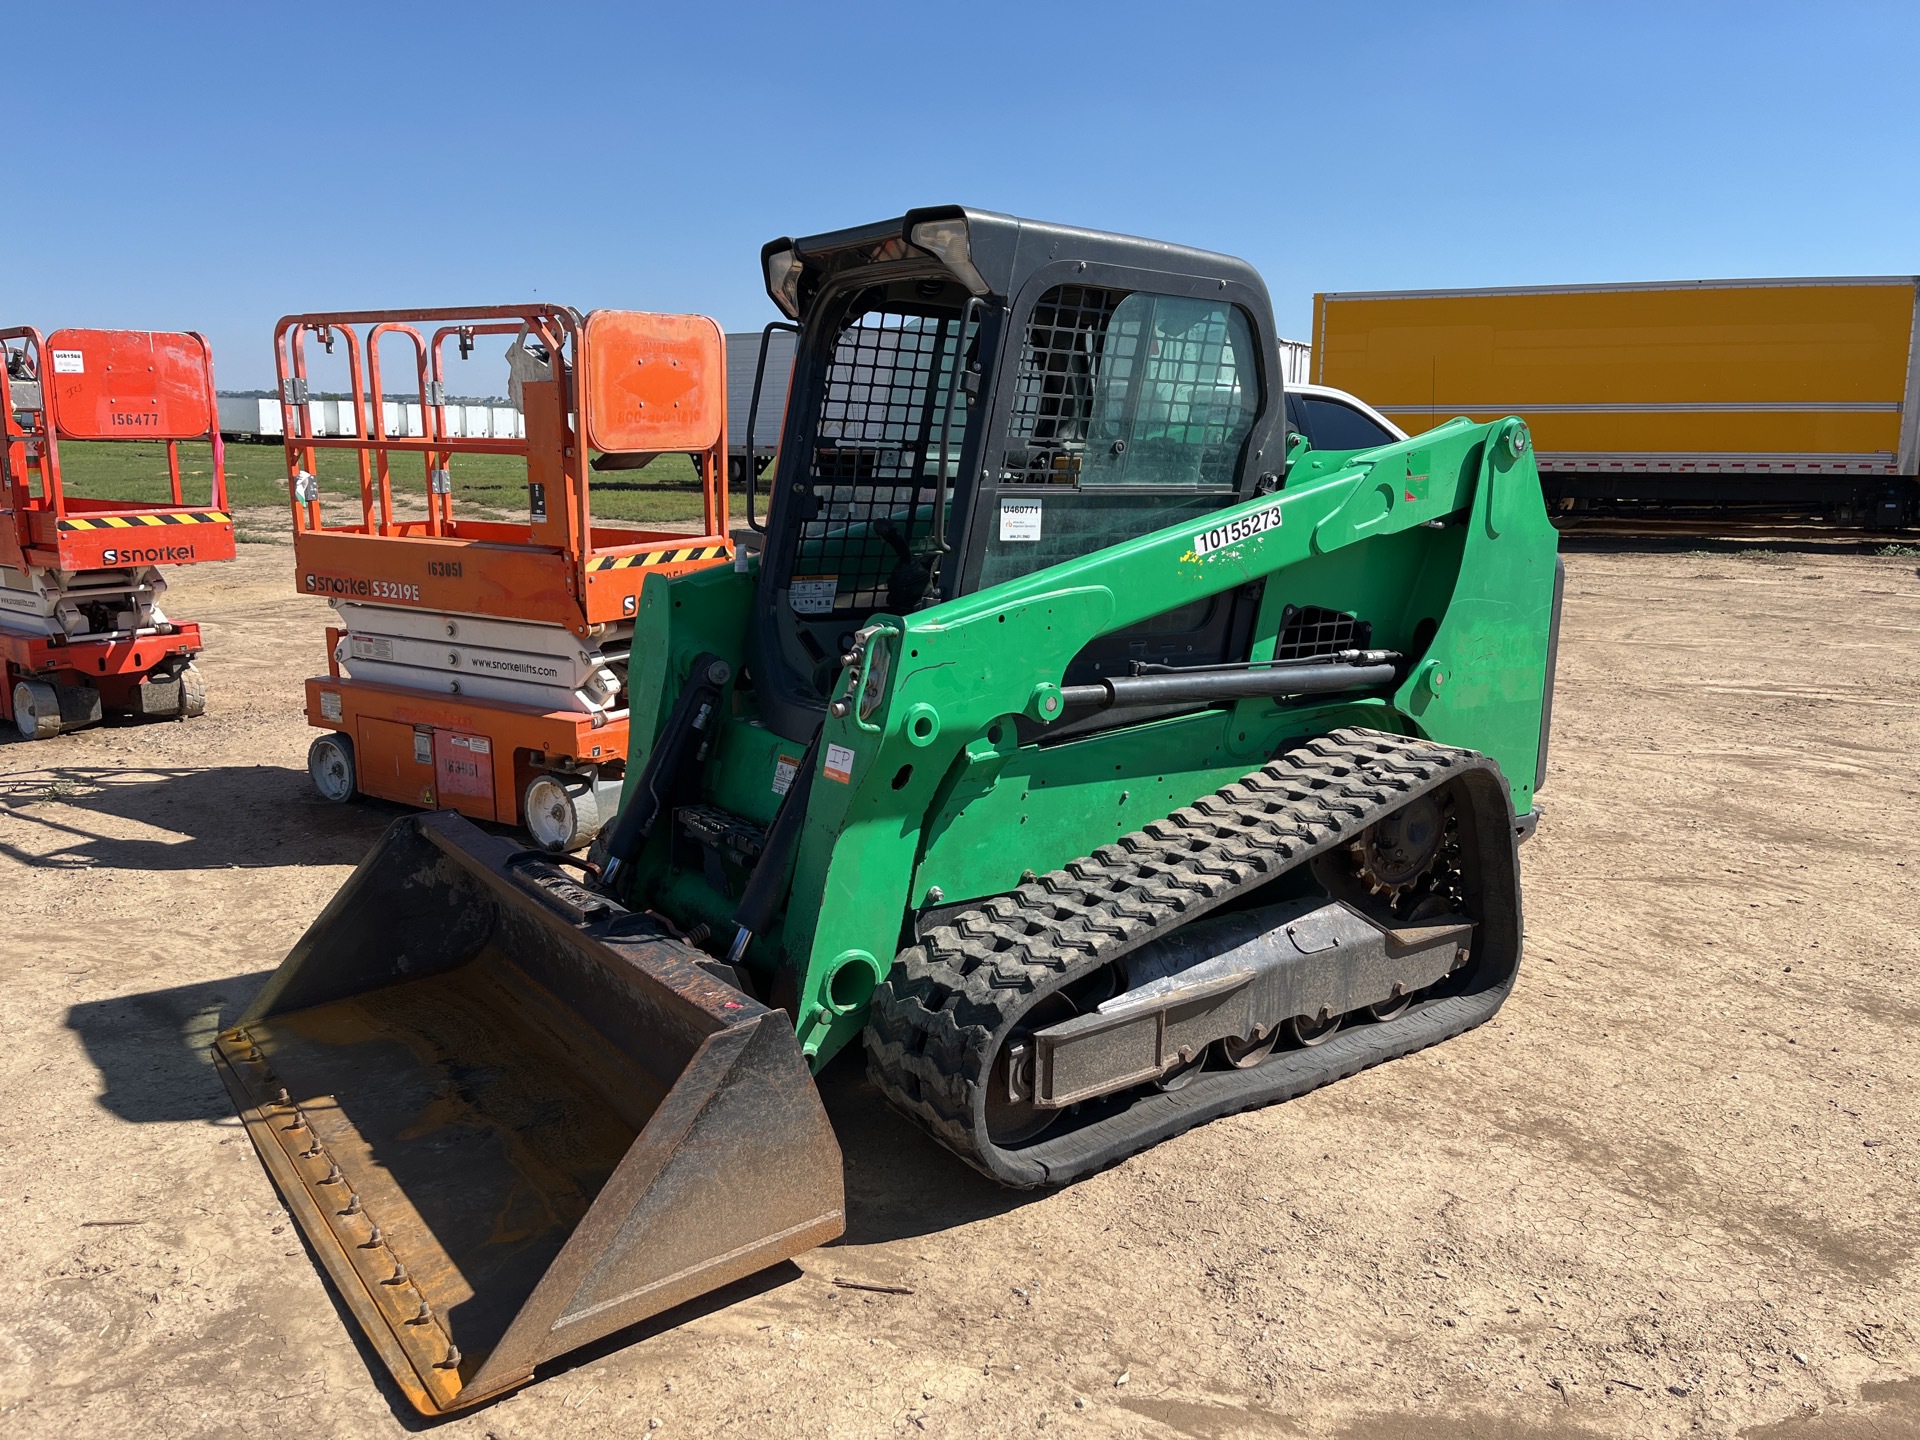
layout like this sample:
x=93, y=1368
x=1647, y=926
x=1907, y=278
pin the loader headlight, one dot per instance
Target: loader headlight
x=783, y=281
x=949, y=241
x=875, y=688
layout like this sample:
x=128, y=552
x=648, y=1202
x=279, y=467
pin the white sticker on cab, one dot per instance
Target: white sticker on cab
x=839, y=764
x=1019, y=519
x=69, y=362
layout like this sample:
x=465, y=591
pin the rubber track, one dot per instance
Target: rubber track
x=937, y=1021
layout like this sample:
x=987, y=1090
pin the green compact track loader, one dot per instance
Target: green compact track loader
x=1078, y=741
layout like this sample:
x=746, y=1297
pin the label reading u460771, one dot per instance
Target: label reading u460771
x=1234, y=531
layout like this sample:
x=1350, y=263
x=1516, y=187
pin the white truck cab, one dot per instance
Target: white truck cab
x=1334, y=420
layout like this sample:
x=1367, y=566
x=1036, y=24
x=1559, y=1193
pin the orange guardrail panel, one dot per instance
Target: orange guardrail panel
x=654, y=383
x=129, y=385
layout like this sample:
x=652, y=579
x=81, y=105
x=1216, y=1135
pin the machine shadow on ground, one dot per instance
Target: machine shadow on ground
x=900, y=1183
x=153, y=1049
x=215, y=817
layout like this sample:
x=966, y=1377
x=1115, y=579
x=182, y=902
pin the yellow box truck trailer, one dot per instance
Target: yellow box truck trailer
x=1788, y=396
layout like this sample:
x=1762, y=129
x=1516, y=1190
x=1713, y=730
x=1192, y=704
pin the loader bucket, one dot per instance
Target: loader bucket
x=512, y=1117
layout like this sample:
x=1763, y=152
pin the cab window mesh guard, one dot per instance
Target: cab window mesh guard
x=878, y=446
x=1138, y=389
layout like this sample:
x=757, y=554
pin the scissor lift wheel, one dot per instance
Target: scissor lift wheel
x=561, y=812
x=330, y=765
x=42, y=710
x=193, y=691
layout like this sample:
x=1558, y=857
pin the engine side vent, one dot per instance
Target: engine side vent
x=1309, y=630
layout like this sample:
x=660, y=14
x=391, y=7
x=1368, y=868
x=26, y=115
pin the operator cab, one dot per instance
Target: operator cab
x=976, y=397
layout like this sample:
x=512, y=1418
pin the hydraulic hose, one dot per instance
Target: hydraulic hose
x=764, y=887
x=687, y=734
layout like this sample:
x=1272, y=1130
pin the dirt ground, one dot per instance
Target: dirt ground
x=1669, y=1190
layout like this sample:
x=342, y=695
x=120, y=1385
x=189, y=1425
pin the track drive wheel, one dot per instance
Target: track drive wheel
x=331, y=768
x=561, y=812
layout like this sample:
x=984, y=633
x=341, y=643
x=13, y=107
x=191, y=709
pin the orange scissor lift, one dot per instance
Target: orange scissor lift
x=81, y=629
x=479, y=665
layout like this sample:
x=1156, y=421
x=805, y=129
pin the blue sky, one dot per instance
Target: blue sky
x=213, y=167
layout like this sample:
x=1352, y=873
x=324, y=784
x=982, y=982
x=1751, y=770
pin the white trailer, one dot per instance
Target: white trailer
x=249, y=417
x=1296, y=361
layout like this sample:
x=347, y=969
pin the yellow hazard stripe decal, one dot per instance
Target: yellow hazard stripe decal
x=162, y=517
x=657, y=557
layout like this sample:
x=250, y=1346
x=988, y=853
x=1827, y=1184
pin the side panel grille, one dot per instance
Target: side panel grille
x=1309, y=630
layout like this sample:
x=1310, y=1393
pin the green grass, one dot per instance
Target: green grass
x=1903, y=552
x=667, y=491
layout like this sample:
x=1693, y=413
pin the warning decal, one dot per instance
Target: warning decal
x=839, y=764
x=813, y=594
x=784, y=769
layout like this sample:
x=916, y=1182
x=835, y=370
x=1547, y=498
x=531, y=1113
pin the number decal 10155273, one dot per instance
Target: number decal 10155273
x=1234, y=531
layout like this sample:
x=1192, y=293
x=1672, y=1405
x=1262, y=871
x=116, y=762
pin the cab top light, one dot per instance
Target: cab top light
x=783, y=282
x=949, y=241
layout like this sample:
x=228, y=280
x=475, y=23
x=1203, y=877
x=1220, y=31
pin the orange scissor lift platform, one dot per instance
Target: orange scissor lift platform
x=479, y=665
x=81, y=630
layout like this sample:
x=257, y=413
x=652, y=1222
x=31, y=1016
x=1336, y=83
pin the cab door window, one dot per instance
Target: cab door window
x=1131, y=411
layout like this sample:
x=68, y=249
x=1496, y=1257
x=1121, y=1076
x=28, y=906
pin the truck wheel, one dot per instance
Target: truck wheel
x=330, y=766
x=561, y=812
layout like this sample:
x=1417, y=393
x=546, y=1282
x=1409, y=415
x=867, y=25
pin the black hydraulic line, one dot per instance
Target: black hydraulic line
x=1211, y=685
x=762, y=896
x=687, y=735
x=1331, y=657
